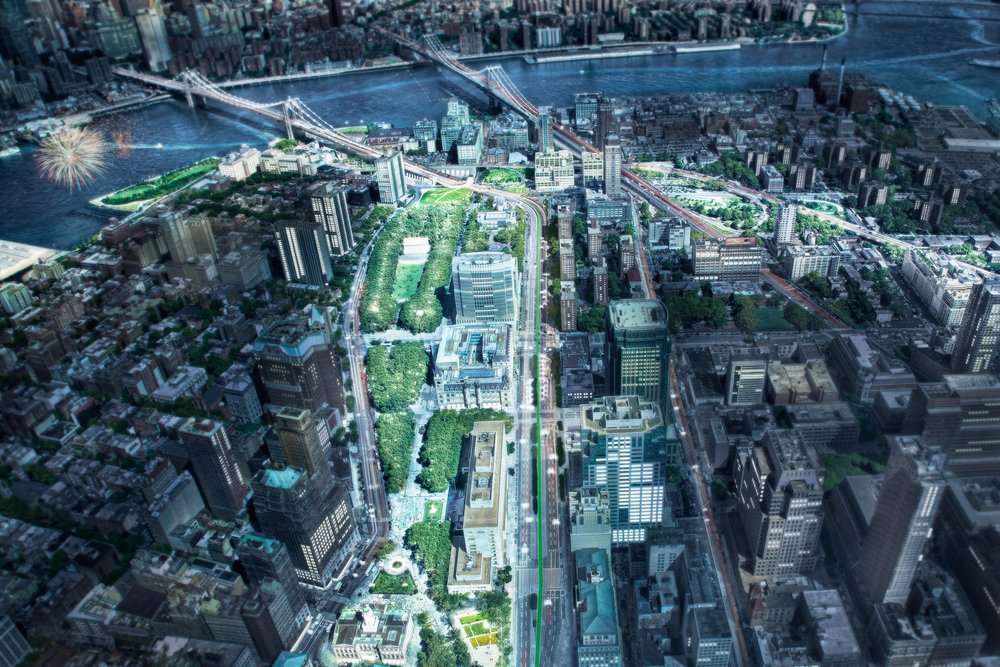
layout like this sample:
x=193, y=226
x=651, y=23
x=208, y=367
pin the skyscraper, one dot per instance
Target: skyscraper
x=977, y=348
x=904, y=516
x=153, y=34
x=270, y=620
x=304, y=440
x=265, y=559
x=784, y=226
x=391, y=178
x=336, y=13
x=297, y=365
x=961, y=415
x=544, y=133
x=316, y=527
x=215, y=467
x=485, y=287
x=613, y=166
x=304, y=252
x=188, y=237
x=626, y=448
x=780, y=489
x=605, y=120
x=329, y=209
x=638, y=345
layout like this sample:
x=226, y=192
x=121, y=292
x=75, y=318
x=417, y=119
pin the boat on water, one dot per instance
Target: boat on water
x=982, y=62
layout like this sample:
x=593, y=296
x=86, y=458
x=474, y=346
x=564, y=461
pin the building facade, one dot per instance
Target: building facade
x=485, y=286
x=329, y=209
x=977, y=348
x=638, y=347
x=780, y=490
x=391, y=178
x=317, y=527
x=626, y=447
x=213, y=460
x=904, y=516
x=473, y=367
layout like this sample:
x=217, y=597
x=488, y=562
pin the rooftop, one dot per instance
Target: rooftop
x=637, y=314
x=282, y=479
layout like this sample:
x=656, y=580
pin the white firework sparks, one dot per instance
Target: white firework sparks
x=73, y=158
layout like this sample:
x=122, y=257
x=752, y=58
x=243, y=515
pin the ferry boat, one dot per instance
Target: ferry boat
x=982, y=62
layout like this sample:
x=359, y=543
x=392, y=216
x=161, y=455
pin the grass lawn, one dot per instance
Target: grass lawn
x=772, y=319
x=824, y=207
x=484, y=640
x=445, y=196
x=434, y=510
x=400, y=584
x=407, y=279
x=472, y=618
x=499, y=176
x=839, y=466
x=162, y=184
x=476, y=629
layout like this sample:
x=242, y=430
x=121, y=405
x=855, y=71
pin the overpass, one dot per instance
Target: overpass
x=291, y=112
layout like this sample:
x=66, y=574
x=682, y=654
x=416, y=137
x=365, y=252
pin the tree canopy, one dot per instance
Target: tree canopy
x=395, y=377
x=443, y=446
x=394, y=433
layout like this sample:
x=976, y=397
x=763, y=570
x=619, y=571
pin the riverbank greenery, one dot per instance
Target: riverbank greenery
x=422, y=312
x=161, y=185
x=396, y=376
x=394, y=434
x=442, y=448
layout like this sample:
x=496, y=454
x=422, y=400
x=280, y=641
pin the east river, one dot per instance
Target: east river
x=925, y=56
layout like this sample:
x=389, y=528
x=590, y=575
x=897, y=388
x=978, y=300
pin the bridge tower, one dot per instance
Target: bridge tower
x=286, y=113
x=496, y=105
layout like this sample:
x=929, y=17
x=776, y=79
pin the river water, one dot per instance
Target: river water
x=925, y=55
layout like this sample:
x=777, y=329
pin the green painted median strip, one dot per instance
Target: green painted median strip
x=538, y=432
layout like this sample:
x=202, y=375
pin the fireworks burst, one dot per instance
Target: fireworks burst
x=123, y=142
x=72, y=158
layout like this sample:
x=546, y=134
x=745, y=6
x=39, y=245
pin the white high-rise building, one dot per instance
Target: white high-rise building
x=391, y=178
x=329, y=208
x=784, y=226
x=612, y=165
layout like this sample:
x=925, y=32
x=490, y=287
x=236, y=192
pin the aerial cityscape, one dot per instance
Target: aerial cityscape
x=591, y=333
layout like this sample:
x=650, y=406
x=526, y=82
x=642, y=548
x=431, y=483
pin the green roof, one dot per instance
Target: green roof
x=267, y=542
x=282, y=479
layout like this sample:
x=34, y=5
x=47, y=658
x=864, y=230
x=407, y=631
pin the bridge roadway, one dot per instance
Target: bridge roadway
x=292, y=113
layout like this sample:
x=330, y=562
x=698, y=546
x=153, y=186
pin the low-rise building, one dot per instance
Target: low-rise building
x=371, y=634
x=481, y=553
x=554, y=171
x=731, y=258
x=240, y=165
x=598, y=639
x=941, y=284
x=473, y=367
x=801, y=260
